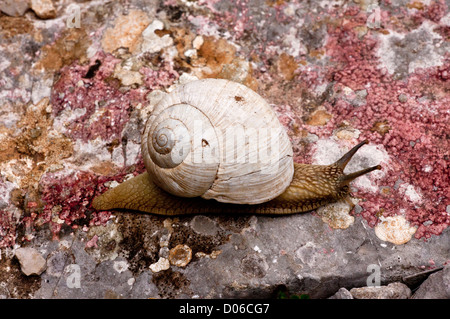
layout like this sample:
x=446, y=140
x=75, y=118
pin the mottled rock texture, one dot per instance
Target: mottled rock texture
x=79, y=78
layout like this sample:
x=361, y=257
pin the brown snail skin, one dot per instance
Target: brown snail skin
x=312, y=186
x=197, y=171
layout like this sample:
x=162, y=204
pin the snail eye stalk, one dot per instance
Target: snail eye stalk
x=343, y=161
x=347, y=178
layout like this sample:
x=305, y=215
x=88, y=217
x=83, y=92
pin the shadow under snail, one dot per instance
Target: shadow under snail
x=216, y=146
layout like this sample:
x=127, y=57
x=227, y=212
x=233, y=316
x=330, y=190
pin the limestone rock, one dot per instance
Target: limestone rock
x=14, y=8
x=31, y=261
x=152, y=42
x=394, y=290
x=44, y=9
x=126, y=31
x=436, y=286
x=342, y=294
x=161, y=264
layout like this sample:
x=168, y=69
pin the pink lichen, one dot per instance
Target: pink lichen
x=92, y=243
x=434, y=12
x=7, y=229
x=105, y=108
x=418, y=134
x=103, y=105
x=414, y=109
x=68, y=197
x=164, y=77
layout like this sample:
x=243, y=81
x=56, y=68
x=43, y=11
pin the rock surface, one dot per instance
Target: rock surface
x=342, y=293
x=14, y=8
x=74, y=98
x=436, y=286
x=395, y=290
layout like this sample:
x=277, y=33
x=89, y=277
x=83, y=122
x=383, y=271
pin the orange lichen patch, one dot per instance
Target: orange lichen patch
x=26, y=155
x=214, y=54
x=69, y=47
x=286, y=66
x=11, y=26
x=7, y=145
x=384, y=31
x=385, y=190
x=212, y=58
x=239, y=71
x=180, y=255
x=183, y=39
x=319, y=118
x=381, y=127
x=416, y=5
x=337, y=215
x=105, y=169
x=209, y=57
x=317, y=54
x=126, y=32
x=275, y=3
x=346, y=133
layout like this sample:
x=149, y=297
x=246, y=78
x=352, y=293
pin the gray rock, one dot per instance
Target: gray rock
x=395, y=290
x=31, y=261
x=342, y=294
x=436, y=286
x=245, y=257
x=14, y=8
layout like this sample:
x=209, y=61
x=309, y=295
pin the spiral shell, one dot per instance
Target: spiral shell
x=217, y=139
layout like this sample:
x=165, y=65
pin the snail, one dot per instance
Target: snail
x=216, y=146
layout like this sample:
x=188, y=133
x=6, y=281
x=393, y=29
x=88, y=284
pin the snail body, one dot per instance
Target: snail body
x=216, y=146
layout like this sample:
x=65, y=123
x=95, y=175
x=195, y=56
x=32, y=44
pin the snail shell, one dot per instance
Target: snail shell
x=219, y=140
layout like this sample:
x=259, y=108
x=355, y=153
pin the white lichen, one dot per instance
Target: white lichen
x=396, y=230
x=120, y=266
x=337, y=215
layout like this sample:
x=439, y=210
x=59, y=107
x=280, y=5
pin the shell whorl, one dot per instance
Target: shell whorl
x=174, y=150
x=188, y=150
x=170, y=140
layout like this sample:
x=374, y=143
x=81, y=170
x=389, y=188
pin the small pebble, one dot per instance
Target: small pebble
x=44, y=9
x=403, y=98
x=31, y=261
x=161, y=264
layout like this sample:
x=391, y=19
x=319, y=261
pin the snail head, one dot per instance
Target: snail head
x=345, y=179
x=315, y=185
